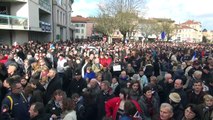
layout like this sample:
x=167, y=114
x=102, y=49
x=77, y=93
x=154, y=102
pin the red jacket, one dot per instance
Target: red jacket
x=112, y=106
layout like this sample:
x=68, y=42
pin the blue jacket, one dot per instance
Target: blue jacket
x=19, y=109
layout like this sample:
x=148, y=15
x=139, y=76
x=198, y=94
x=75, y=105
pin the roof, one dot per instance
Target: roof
x=185, y=27
x=79, y=18
x=191, y=22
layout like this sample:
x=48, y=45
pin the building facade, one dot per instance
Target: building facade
x=189, y=31
x=62, y=27
x=37, y=20
x=24, y=20
x=84, y=27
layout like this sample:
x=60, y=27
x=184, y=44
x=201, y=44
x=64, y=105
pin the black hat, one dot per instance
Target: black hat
x=77, y=72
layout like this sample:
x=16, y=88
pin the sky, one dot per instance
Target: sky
x=178, y=10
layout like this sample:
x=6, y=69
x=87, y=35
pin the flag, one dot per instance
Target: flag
x=163, y=35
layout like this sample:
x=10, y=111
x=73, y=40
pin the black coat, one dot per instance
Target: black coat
x=43, y=116
x=54, y=84
x=76, y=86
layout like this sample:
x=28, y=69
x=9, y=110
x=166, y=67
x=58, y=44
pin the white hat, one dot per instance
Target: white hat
x=175, y=97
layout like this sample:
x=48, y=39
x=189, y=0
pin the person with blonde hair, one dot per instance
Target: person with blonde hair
x=205, y=110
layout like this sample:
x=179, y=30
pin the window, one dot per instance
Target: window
x=82, y=37
x=76, y=25
x=82, y=25
x=77, y=36
x=77, y=31
x=58, y=16
x=82, y=30
x=64, y=19
x=61, y=17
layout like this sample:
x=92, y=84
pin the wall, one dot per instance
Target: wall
x=20, y=37
x=34, y=15
x=4, y=37
x=89, y=29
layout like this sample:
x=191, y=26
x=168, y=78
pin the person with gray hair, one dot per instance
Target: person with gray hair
x=166, y=112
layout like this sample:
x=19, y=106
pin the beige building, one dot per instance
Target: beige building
x=24, y=20
x=84, y=27
x=62, y=27
x=189, y=31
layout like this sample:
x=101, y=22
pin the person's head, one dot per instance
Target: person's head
x=190, y=112
x=129, y=108
x=135, y=85
x=52, y=73
x=36, y=109
x=11, y=69
x=147, y=91
x=89, y=69
x=166, y=111
x=93, y=83
x=58, y=95
x=77, y=75
x=153, y=80
x=168, y=78
x=75, y=97
x=123, y=74
x=16, y=87
x=68, y=104
x=208, y=100
x=141, y=72
x=178, y=84
x=99, y=77
x=124, y=94
x=114, y=80
x=23, y=82
x=198, y=86
x=7, y=82
x=174, y=98
x=197, y=74
x=105, y=85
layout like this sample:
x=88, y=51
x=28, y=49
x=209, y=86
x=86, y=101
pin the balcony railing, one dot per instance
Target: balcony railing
x=13, y=0
x=13, y=22
x=45, y=27
x=45, y=4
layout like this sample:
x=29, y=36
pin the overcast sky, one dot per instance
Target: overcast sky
x=178, y=10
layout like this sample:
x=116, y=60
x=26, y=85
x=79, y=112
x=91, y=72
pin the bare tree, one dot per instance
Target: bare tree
x=123, y=14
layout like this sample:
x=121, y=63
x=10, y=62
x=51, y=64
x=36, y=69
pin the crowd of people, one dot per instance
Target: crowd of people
x=93, y=80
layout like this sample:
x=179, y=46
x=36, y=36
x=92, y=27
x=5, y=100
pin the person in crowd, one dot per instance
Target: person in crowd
x=130, y=111
x=115, y=107
x=37, y=112
x=149, y=69
x=68, y=107
x=77, y=84
x=149, y=104
x=106, y=74
x=55, y=83
x=105, y=94
x=123, y=79
x=79, y=106
x=195, y=96
x=96, y=66
x=166, y=112
x=12, y=69
x=175, y=102
x=54, y=106
x=89, y=74
x=178, y=88
x=130, y=70
x=135, y=91
x=15, y=105
x=167, y=85
x=99, y=78
x=115, y=86
x=205, y=109
x=143, y=79
x=191, y=113
x=195, y=76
